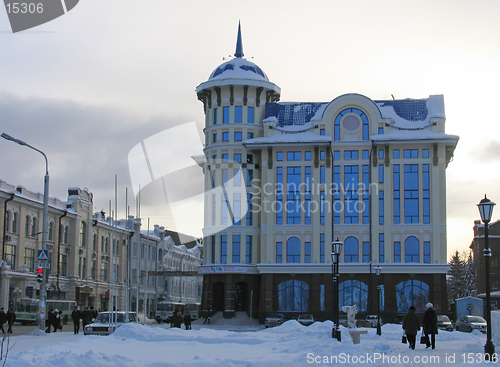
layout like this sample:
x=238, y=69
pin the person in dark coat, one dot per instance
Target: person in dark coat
x=86, y=317
x=93, y=313
x=187, y=321
x=11, y=317
x=176, y=320
x=49, y=322
x=3, y=318
x=76, y=315
x=411, y=326
x=430, y=325
x=57, y=322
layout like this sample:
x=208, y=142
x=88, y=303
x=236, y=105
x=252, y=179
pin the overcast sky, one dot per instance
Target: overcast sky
x=87, y=87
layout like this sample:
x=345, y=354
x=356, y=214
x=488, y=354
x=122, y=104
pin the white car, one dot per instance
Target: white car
x=102, y=326
x=470, y=323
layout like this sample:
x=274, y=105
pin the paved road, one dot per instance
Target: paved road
x=18, y=329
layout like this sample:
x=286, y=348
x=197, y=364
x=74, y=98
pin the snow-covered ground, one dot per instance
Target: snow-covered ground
x=290, y=344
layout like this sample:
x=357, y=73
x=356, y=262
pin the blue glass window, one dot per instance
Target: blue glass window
x=366, y=154
x=249, y=177
x=225, y=176
x=307, y=195
x=293, y=156
x=322, y=132
x=279, y=195
x=366, y=252
x=380, y=154
x=380, y=130
x=215, y=138
x=366, y=194
x=353, y=292
x=236, y=248
x=225, y=136
x=427, y=252
x=293, y=295
x=322, y=174
x=250, y=158
x=307, y=252
x=293, y=207
x=336, y=155
x=322, y=248
x=361, y=114
x=380, y=207
x=225, y=158
x=248, y=250
x=237, y=209
x=249, y=215
x=351, y=250
x=249, y=135
x=237, y=136
x=226, y=115
x=238, y=114
x=397, y=252
x=397, y=194
x=237, y=177
x=237, y=157
x=322, y=155
x=279, y=252
x=426, y=194
x=213, y=249
x=381, y=250
x=411, y=193
x=381, y=173
x=395, y=154
x=215, y=116
x=350, y=154
x=351, y=205
x=279, y=156
x=425, y=153
x=250, y=115
x=225, y=206
x=214, y=157
x=410, y=153
x=412, y=253
x=412, y=293
x=336, y=195
x=293, y=250
x=307, y=156
x=223, y=249
x=322, y=207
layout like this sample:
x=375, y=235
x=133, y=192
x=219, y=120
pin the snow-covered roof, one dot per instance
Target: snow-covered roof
x=294, y=113
x=290, y=137
x=238, y=68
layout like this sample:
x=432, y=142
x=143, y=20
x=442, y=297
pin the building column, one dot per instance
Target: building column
x=5, y=284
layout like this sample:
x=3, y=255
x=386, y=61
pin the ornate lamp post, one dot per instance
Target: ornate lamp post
x=41, y=319
x=336, y=250
x=485, y=210
x=378, y=270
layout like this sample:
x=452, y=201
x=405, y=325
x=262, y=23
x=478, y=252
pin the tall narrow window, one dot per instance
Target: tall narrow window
x=293, y=207
x=279, y=252
x=380, y=207
x=8, y=219
x=249, y=215
x=307, y=195
x=83, y=233
x=236, y=248
x=27, y=227
x=381, y=250
x=322, y=207
x=397, y=252
x=412, y=251
x=213, y=249
x=225, y=207
x=307, y=252
x=351, y=206
x=322, y=248
x=397, y=194
x=293, y=250
x=250, y=115
x=279, y=195
x=237, y=209
x=248, y=250
x=351, y=250
x=426, y=194
x=215, y=116
x=366, y=194
x=366, y=252
x=238, y=114
x=51, y=232
x=226, y=115
x=427, y=252
x=223, y=249
x=411, y=193
x=15, y=222
x=336, y=195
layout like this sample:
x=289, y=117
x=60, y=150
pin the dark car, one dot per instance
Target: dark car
x=444, y=323
x=275, y=319
x=470, y=323
x=306, y=319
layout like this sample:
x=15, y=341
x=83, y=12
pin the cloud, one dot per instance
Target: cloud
x=489, y=151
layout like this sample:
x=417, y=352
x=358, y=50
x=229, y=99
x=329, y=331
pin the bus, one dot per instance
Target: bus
x=27, y=309
x=194, y=310
x=166, y=309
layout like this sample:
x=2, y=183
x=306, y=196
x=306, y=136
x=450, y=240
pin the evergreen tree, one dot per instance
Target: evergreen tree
x=470, y=281
x=456, y=279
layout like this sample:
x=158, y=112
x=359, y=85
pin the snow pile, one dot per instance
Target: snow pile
x=290, y=344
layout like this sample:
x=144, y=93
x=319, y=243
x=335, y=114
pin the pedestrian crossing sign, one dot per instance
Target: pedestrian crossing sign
x=43, y=255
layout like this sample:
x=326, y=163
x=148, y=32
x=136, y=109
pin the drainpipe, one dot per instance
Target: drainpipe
x=59, y=252
x=12, y=196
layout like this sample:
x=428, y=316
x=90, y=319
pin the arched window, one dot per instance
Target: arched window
x=293, y=295
x=353, y=292
x=15, y=222
x=83, y=233
x=34, y=226
x=351, y=250
x=293, y=250
x=412, y=253
x=412, y=293
x=27, y=226
x=353, y=122
x=51, y=232
x=8, y=218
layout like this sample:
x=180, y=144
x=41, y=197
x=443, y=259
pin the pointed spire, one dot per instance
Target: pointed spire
x=239, y=44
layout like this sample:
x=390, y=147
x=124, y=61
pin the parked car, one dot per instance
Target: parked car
x=371, y=321
x=306, y=319
x=102, y=326
x=470, y=323
x=275, y=319
x=444, y=323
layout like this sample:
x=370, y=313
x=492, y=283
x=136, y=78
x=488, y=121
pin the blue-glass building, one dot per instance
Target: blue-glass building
x=283, y=180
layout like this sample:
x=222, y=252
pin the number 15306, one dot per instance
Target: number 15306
x=24, y=8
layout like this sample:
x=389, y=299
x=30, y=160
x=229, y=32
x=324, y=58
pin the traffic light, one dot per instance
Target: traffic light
x=39, y=275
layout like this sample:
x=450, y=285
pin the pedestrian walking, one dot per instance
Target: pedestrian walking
x=176, y=320
x=187, y=321
x=76, y=315
x=11, y=317
x=429, y=324
x=86, y=317
x=3, y=318
x=411, y=326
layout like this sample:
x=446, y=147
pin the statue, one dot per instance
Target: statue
x=351, y=312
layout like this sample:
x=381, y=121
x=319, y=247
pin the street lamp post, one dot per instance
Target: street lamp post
x=378, y=270
x=41, y=319
x=485, y=210
x=336, y=250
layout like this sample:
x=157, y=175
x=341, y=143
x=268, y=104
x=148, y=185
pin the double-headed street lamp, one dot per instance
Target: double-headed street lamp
x=336, y=250
x=378, y=270
x=485, y=210
x=41, y=320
